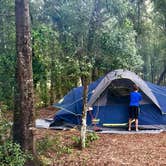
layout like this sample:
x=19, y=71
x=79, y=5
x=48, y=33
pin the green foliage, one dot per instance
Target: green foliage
x=76, y=140
x=5, y=128
x=120, y=50
x=44, y=48
x=12, y=155
x=89, y=139
x=92, y=137
x=7, y=52
x=120, y=34
x=54, y=145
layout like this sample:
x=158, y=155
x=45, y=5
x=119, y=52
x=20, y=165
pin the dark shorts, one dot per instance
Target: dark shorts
x=133, y=112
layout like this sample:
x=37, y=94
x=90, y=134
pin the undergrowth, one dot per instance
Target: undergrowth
x=89, y=139
x=10, y=152
x=50, y=149
x=53, y=146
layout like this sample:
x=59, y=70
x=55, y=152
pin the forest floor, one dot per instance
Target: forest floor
x=108, y=150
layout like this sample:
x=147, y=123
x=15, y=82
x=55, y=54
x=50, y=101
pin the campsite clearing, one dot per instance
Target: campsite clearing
x=109, y=149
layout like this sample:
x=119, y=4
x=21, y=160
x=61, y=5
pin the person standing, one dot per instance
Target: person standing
x=135, y=98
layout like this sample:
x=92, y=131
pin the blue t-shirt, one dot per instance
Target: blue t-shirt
x=135, y=98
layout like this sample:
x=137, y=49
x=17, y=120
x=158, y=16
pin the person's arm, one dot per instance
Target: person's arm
x=140, y=98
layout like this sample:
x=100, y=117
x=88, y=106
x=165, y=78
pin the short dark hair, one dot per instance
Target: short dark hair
x=135, y=87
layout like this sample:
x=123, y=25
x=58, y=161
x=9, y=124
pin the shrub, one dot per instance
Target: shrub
x=92, y=137
x=54, y=145
x=11, y=154
x=89, y=138
x=5, y=128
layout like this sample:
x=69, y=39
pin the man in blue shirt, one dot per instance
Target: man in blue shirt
x=135, y=98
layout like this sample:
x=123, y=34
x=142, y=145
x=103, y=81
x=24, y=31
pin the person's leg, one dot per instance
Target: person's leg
x=130, y=121
x=130, y=117
x=136, y=124
x=136, y=118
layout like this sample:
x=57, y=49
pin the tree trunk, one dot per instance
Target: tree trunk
x=161, y=76
x=95, y=73
x=53, y=74
x=84, y=113
x=24, y=97
x=52, y=88
x=93, y=25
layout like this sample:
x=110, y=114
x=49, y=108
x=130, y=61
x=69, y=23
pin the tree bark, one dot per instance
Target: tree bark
x=24, y=95
x=53, y=74
x=93, y=25
x=52, y=88
x=84, y=113
x=161, y=76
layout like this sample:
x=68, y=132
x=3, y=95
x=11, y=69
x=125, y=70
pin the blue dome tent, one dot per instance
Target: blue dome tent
x=108, y=97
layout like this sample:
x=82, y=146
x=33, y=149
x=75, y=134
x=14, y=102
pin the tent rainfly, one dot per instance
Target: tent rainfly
x=108, y=98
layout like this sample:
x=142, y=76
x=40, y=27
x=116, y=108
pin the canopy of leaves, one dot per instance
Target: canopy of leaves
x=76, y=38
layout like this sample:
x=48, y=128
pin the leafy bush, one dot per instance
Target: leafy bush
x=92, y=137
x=52, y=144
x=77, y=140
x=5, y=128
x=89, y=138
x=11, y=154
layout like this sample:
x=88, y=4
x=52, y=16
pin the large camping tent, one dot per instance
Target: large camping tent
x=109, y=99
